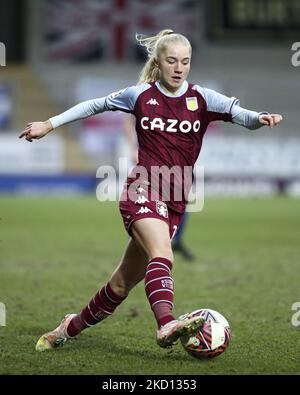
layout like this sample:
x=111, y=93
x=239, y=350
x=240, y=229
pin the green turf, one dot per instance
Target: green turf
x=55, y=254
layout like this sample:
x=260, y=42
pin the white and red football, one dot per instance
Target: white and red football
x=210, y=340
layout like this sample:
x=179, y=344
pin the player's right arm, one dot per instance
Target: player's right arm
x=123, y=100
x=37, y=130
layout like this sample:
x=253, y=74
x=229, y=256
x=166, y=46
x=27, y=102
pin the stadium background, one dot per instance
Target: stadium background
x=54, y=232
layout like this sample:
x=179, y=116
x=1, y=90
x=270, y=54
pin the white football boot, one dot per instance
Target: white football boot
x=168, y=334
x=55, y=338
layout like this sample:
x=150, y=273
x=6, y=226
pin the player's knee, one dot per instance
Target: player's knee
x=164, y=251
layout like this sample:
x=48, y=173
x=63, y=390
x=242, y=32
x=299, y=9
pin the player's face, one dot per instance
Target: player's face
x=174, y=64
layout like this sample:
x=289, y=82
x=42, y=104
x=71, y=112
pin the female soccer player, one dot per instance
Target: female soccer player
x=172, y=116
x=177, y=241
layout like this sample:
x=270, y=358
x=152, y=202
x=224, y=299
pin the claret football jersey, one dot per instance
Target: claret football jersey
x=170, y=130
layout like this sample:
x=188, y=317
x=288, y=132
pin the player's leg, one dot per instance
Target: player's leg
x=177, y=242
x=130, y=271
x=153, y=235
x=180, y=231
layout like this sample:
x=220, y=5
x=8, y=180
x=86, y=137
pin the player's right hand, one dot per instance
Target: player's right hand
x=36, y=130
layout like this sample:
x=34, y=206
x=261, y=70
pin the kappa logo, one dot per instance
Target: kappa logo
x=144, y=210
x=153, y=102
x=162, y=209
x=142, y=200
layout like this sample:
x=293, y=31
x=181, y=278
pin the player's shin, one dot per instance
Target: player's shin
x=101, y=306
x=159, y=289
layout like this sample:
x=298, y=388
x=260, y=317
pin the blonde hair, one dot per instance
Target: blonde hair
x=155, y=46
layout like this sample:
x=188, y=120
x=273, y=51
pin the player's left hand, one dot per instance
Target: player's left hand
x=270, y=120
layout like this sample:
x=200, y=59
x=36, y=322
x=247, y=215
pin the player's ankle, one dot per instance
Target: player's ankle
x=165, y=320
x=72, y=329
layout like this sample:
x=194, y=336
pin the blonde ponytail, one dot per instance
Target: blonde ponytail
x=154, y=46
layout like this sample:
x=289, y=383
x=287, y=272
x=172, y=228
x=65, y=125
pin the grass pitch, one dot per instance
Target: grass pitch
x=56, y=253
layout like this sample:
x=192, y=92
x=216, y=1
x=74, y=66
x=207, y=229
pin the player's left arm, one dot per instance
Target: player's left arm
x=220, y=107
x=254, y=120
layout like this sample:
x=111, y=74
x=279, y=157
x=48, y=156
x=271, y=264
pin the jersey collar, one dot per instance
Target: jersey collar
x=182, y=90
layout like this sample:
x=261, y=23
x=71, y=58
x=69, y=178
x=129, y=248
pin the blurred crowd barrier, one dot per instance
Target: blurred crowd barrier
x=241, y=165
x=251, y=165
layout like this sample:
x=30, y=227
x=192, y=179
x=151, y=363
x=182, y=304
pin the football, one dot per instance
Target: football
x=212, y=339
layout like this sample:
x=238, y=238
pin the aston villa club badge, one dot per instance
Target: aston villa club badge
x=162, y=209
x=192, y=103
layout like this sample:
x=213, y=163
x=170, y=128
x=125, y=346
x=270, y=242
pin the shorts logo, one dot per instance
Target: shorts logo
x=144, y=210
x=139, y=189
x=192, y=103
x=142, y=200
x=162, y=209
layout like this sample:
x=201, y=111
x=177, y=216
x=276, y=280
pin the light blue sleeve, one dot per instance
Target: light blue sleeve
x=216, y=102
x=123, y=100
x=247, y=118
x=80, y=111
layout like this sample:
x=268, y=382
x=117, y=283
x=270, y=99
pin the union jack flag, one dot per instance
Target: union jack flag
x=92, y=29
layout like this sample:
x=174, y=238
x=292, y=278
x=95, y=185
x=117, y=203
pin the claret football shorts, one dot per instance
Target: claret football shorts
x=136, y=203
